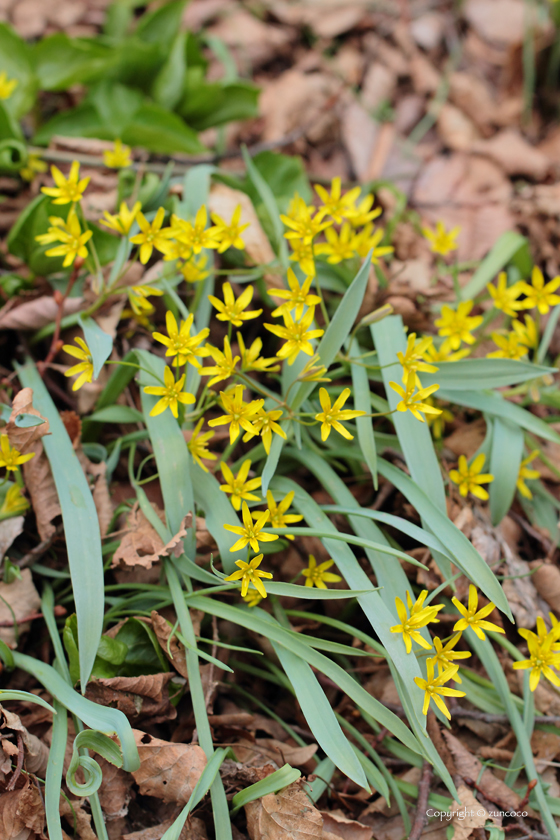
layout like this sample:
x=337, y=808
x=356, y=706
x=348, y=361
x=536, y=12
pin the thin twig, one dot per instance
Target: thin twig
x=58, y=611
x=421, y=818
x=35, y=553
x=474, y=714
x=60, y=299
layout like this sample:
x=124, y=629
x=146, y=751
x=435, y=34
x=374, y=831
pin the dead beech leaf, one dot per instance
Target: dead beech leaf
x=469, y=766
x=22, y=439
x=545, y=746
x=22, y=814
x=223, y=201
x=42, y=490
x=142, y=545
x=295, y=99
x=467, y=816
x=168, y=771
x=248, y=752
x=340, y=826
x=139, y=698
x=173, y=650
x=510, y=150
x=75, y=814
x=9, y=530
x=37, y=313
x=547, y=583
x=23, y=599
x=456, y=130
x=287, y=815
x=115, y=791
x=194, y=829
x=36, y=751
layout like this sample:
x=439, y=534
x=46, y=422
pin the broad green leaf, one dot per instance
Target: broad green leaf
x=61, y=62
x=477, y=374
x=83, y=121
x=466, y=557
x=278, y=780
x=170, y=449
x=284, y=174
x=505, y=458
x=201, y=788
x=115, y=104
x=98, y=341
x=81, y=525
x=319, y=715
x=208, y=104
x=168, y=84
x=364, y=425
x=161, y=25
x=117, y=414
x=160, y=131
x=497, y=406
x=507, y=245
x=15, y=60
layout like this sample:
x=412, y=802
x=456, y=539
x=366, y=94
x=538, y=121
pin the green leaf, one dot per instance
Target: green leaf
x=25, y=697
x=364, y=425
x=162, y=25
x=218, y=511
x=55, y=766
x=98, y=341
x=117, y=414
x=320, y=716
x=505, y=458
x=168, y=84
x=28, y=421
x=478, y=374
x=505, y=248
x=201, y=788
x=278, y=780
x=15, y=60
x=83, y=121
x=206, y=105
x=466, y=556
x=284, y=174
x=115, y=104
x=61, y=62
x=81, y=525
x=103, y=746
x=497, y=406
x=160, y=131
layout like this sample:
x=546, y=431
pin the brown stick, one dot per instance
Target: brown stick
x=58, y=610
x=60, y=299
x=421, y=819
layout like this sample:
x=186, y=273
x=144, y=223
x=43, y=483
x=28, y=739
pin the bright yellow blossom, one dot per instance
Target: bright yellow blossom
x=68, y=189
x=297, y=297
x=469, y=478
x=233, y=310
x=70, y=235
x=411, y=360
x=368, y=240
x=362, y=214
x=506, y=297
x=151, y=235
x=85, y=365
x=437, y=421
x=123, y=221
x=251, y=358
x=118, y=157
x=527, y=332
x=443, y=353
x=239, y=413
x=335, y=204
x=317, y=575
x=250, y=532
x=197, y=236
x=171, y=393
x=441, y=241
x=338, y=246
x=193, y=270
x=252, y=598
x=457, y=325
x=444, y=654
x=420, y=616
x=331, y=415
x=198, y=446
x=539, y=293
x=237, y=486
x=230, y=234
x=542, y=658
x=7, y=86
x=415, y=402
x=525, y=472
x=264, y=424
x=278, y=516
x=225, y=366
x=509, y=346
x=249, y=573
x=313, y=371
x=297, y=336
x=304, y=254
x=435, y=688
x=138, y=299
x=10, y=457
x=303, y=221
x=33, y=166
x=473, y=617
x=14, y=503
x=180, y=342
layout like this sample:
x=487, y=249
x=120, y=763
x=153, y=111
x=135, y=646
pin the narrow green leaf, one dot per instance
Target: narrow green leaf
x=201, y=788
x=466, y=556
x=320, y=716
x=218, y=512
x=507, y=245
x=278, y=780
x=101, y=744
x=55, y=767
x=25, y=696
x=270, y=205
x=81, y=525
x=364, y=425
x=476, y=374
x=323, y=774
x=117, y=414
x=27, y=421
x=505, y=458
x=499, y=407
x=98, y=341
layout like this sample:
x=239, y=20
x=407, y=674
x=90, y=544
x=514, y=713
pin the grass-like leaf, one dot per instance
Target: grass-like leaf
x=278, y=780
x=55, y=766
x=505, y=248
x=98, y=341
x=364, y=425
x=81, y=525
x=205, y=782
x=218, y=512
x=476, y=374
x=505, y=458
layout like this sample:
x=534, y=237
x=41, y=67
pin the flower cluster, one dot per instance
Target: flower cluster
x=544, y=652
x=417, y=617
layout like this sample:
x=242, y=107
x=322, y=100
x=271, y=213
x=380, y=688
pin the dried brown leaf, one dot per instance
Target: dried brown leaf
x=546, y=578
x=470, y=767
x=510, y=150
x=142, y=545
x=17, y=599
x=140, y=697
x=22, y=813
x=281, y=753
x=115, y=792
x=467, y=816
x=37, y=313
x=287, y=815
x=168, y=771
x=36, y=753
x=173, y=650
x=22, y=439
x=501, y=21
x=42, y=491
x=194, y=829
x=9, y=530
x=340, y=826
